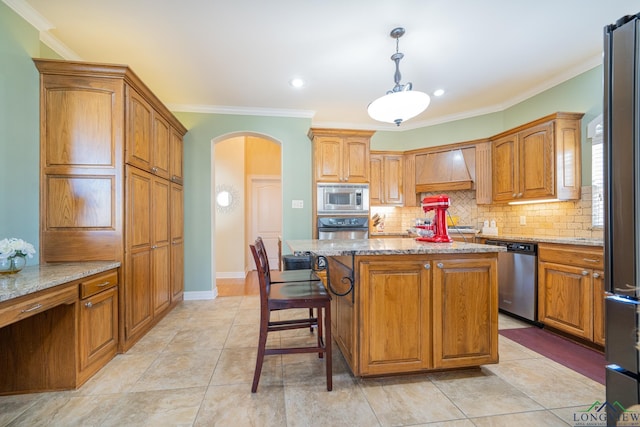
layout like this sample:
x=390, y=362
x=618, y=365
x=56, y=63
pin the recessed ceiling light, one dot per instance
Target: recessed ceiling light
x=438, y=92
x=296, y=82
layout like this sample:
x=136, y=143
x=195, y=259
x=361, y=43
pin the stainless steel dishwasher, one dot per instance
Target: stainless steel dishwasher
x=517, y=279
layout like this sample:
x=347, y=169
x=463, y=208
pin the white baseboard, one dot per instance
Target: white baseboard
x=201, y=295
x=231, y=275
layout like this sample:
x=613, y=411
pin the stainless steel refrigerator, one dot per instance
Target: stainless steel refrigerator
x=621, y=114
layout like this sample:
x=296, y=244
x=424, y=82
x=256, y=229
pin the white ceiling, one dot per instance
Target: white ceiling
x=237, y=56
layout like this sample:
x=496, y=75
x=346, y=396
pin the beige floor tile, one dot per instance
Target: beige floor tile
x=235, y=405
x=470, y=390
x=179, y=370
x=247, y=316
x=523, y=419
x=511, y=350
x=454, y=423
x=153, y=342
x=237, y=365
x=508, y=322
x=11, y=407
x=250, y=302
x=408, y=401
x=69, y=411
x=549, y=384
x=119, y=375
x=313, y=405
x=157, y=408
x=188, y=340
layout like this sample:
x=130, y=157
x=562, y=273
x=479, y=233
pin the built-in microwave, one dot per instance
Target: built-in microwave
x=342, y=198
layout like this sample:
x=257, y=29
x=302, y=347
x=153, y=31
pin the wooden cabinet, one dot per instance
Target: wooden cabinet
x=110, y=152
x=570, y=286
x=539, y=160
x=177, y=243
x=340, y=155
x=58, y=337
x=386, y=185
x=446, y=169
x=465, y=312
x=395, y=333
x=415, y=313
x=98, y=323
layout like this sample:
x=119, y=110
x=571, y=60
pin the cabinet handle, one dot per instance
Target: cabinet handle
x=585, y=272
x=440, y=265
x=154, y=169
x=589, y=260
x=519, y=194
x=596, y=275
x=34, y=308
x=427, y=266
x=88, y=304
x=101, y=285
x=154, y=247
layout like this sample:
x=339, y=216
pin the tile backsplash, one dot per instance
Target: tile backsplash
x=558, y=219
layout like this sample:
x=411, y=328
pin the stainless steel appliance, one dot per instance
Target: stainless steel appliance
x=347, y=227
x=517, y=279
x=342, y=199
x=621, y=117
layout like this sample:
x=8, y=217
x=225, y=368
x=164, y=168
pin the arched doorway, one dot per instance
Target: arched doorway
x=247, y=171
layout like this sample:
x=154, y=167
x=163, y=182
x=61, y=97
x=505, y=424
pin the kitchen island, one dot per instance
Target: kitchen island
x=401, y=306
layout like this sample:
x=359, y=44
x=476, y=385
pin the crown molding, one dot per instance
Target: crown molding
x=241, y=111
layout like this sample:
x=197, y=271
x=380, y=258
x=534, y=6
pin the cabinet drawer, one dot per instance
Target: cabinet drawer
x=577, y=256
x=37, y=303
x=98, y=283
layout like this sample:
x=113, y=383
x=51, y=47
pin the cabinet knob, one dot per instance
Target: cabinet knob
x=585, y=272
x=88, y=304
x=596, y=275
x=427, y=266
x=154, y=247
x=519, y=194
x=154, y=169
x=514, y=195
x=440, y=265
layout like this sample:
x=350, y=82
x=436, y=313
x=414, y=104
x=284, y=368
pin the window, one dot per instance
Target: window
x=594, y=132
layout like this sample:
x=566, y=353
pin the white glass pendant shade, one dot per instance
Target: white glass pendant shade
x=396, y=107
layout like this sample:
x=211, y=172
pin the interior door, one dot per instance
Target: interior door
x=266, y=216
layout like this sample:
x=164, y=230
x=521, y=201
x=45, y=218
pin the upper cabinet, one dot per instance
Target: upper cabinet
x=386, y=185
x=340, y=155
x=539, y=160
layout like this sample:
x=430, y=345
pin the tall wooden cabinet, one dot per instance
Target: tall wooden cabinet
x=111, y=184
x=539, y=160
x=340, y=155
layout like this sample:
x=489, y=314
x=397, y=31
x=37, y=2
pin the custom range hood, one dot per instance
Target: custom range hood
x=446, y=170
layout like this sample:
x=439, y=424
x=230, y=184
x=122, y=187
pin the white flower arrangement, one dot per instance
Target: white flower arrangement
x=11, y=248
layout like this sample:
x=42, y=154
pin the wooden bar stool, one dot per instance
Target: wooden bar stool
x=291, y=295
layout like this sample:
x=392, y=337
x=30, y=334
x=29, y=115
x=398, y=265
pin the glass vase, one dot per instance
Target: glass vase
x=12, y=264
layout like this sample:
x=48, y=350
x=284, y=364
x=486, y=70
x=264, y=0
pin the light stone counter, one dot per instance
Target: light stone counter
x=386, y=246
x=38, y=277
x=582, y=241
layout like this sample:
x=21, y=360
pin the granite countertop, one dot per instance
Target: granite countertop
x=386, y=246
x=44, y=276
x=583, y=241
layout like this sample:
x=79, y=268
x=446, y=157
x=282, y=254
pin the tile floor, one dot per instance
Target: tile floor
x=195, y=369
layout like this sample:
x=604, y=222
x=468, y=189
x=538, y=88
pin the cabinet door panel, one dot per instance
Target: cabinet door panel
x=98, y=327
x=565, y=298
x=537, y=160
x=138, y=293
x=176, y=157
x=139, y=131
x=328, y=159
x=161, y=146
x=356, y=159
x=465, y=312
x=392, y=175
x=395, y=318
x=377, y=184
x=505, y=168
x=80, y=202
x=139, y=208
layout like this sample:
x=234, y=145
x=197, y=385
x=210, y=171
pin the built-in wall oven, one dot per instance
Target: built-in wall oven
x=343, y=227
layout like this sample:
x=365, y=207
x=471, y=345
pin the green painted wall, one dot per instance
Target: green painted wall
x=296, y=181
x=19, y=161
x=19, y=129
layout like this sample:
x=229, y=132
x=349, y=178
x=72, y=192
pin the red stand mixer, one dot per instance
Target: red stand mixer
x=440, y=204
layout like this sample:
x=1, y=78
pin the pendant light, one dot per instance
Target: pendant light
x=400, y=103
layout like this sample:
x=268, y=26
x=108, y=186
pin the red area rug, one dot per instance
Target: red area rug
x=586, y=361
